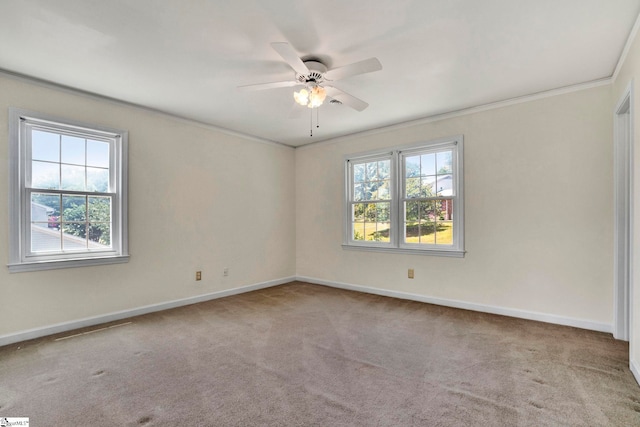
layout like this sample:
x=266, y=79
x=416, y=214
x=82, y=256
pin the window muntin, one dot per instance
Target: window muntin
x=68, y=193
x=416, y=207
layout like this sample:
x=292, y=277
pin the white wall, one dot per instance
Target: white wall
x=630, y=71
x=538, y=200
x=199, y=199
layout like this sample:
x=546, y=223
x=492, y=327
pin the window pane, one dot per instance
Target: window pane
x=383, y=212
x=420, y=222
x=445, y=185
x=45, y=209
x=411, y=212
x=358, y=231
x=45, y=146
x=70, y=240
x=383, y=232
x=97, y=154
x=412, y=187
x=428, y=184
x=74, y=208
x=372, y=171
x=358, y=212
x=370, y=212
x=369, y=190
x=412, y=232
x=428, y=164
x=377, y=232
x=427, y=211
x=412, y=166
x=73, y=150
x=358, y=172
x=97, y=180
x=382, y=224
x=45, y=239
x=427, y=227
x=45, y=224
x=99, y=209
x=445, y=162
x=381, y=190
x=45, y=175
x=99, y=235
x=358, y=193
x=73, y=177
x=444, y=233
x=384, y=169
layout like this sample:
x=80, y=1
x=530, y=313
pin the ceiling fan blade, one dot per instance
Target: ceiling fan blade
x=362, y=67
x=290, y=56
x=345, y=98
x=272, y=85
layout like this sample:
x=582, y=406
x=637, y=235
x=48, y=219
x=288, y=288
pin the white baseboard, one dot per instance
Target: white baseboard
x=522, y=314
x=106, y=318
x=635, y=370
x=124, y=314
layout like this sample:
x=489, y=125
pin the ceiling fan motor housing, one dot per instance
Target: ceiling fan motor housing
x=315, y=75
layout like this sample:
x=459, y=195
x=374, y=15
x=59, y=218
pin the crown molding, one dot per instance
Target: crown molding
x=375, y=131
x=465, y=111
x=91, y=95
x=625, y=50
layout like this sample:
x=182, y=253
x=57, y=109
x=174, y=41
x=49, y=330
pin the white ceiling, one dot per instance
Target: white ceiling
x=187, y=57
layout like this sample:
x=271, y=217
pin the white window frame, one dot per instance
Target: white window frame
x=397, y=155
x=349, y=187
x=21, y=259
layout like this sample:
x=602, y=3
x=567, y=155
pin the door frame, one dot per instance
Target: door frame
x=623, y=214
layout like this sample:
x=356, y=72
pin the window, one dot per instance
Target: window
x=407, y=200
x=68, y=193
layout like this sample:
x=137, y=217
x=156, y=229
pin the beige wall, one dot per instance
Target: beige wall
x=539, y=230
x=199, y=199
x=630, y=71
x=538, y=197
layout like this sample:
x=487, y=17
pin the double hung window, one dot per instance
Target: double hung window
x=409, y=199
x=67, y=195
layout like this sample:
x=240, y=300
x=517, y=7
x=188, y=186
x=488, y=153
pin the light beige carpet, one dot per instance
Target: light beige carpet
x=306, y=355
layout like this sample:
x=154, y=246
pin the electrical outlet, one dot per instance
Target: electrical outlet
x=225, y=271
x=198, y=275
x=410, y=274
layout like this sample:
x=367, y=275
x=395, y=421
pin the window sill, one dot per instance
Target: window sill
x=429, y=252
x=68, y=263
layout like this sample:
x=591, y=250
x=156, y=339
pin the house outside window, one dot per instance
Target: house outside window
x=409, y=199
x=68, y=193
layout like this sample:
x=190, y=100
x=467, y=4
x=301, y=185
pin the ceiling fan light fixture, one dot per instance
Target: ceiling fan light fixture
x=317, y=96
x=312, y=98
x=301, y=97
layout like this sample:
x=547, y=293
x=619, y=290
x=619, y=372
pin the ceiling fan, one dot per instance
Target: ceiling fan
x=314, y=76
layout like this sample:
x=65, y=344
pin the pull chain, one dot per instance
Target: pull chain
x=311, y=120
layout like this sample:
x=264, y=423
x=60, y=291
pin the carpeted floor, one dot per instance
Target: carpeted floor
x=307, y=355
